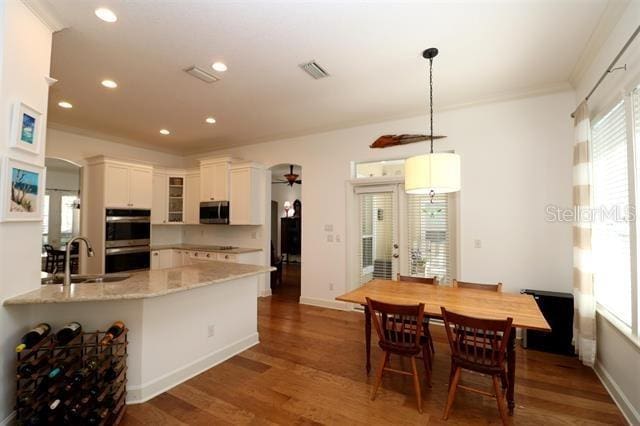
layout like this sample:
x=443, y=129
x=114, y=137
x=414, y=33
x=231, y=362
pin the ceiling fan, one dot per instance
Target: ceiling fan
x=290, y=177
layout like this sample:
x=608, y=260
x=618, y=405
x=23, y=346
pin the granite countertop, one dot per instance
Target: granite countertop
x=196, y=247
x=142, y=285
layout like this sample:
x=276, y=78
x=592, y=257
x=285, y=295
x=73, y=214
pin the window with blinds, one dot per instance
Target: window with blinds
x=376, y=236
x=611, y=231
x=428, y=237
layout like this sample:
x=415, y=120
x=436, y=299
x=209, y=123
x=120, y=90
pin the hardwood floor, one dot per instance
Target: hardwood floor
x=289, y=288
x=309, y=370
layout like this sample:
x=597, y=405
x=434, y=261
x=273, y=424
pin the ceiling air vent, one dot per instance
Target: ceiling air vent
x=201, y=74
x=314, y=70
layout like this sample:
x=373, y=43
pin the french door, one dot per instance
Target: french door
x=378, y=254
x=396, y=233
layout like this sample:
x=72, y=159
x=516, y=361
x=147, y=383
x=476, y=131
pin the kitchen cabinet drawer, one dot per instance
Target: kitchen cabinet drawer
x=227, y=257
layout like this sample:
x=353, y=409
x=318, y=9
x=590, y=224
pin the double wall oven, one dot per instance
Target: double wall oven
x=128, y=239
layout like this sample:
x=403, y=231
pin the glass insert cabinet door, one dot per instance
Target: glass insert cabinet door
x=176, y=199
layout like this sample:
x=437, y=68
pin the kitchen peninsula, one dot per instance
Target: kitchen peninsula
x=181, y=320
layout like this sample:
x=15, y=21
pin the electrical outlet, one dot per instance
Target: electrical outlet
x=330, y=238
x=338, y=238
x=331, y=286
x=477, y=243
x=328, y=228
x=211, y=330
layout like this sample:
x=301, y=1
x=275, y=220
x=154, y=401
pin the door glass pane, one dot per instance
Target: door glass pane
x=428, y=237
x=376, y=235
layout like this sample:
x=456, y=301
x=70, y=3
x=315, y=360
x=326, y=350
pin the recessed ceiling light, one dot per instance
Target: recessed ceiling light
x=109, y=84
x=219, y=66
x=164, y=132
x=65, y=105
x=210, y=120
x=106, y=15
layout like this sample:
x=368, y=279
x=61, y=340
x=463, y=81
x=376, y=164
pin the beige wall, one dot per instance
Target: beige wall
x=516, y=159
x=25, y=54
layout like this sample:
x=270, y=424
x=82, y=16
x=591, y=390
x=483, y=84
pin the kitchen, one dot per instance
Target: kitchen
x=173, y=117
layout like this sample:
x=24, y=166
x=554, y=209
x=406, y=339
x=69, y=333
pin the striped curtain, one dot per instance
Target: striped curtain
x=584, y=319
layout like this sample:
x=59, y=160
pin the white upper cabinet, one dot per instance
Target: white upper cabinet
x=168, y=197
x=160, y=197
x=247, y=194
x=192, y=198
x=117, y=185
x=214, y=179
x=127, y=185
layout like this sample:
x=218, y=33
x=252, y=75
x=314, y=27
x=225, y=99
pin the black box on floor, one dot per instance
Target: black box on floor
x=557, y=308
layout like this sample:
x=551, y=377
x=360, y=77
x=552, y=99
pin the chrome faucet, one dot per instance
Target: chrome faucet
x=67, y=259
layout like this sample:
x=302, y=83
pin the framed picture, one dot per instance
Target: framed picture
x=25, y=133
x=22, y=187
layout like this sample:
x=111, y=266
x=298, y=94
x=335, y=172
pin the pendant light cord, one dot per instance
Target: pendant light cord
x=431, y=101
x=432, y=192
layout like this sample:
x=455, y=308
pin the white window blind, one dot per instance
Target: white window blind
x=611, y=231
x=429, y=240
x=376, y=236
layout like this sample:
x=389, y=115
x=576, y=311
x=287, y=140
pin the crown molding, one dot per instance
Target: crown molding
x=44, y=11
x=609, y=19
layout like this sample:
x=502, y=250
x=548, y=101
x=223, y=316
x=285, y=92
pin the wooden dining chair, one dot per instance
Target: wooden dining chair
x=479, y=345
x=400, y=332
x=477, y=286
x=422, y=280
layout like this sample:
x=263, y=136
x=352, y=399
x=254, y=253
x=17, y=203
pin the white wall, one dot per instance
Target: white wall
x=618, y=358
x=516, y=159
x=25, y=53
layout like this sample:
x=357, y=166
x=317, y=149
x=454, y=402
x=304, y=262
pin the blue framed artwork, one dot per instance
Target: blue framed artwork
x=26, y=128
x=22, y=190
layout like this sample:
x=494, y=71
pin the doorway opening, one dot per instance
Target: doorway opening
x=61, y=214
x=286, y=230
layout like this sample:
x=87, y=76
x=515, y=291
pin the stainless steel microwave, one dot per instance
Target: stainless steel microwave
x=214, y=212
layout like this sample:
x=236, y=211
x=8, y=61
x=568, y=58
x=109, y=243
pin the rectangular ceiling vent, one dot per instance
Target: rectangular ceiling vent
x=314, y=70
x=201, y=74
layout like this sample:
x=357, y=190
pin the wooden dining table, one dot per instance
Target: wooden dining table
x=471, y=302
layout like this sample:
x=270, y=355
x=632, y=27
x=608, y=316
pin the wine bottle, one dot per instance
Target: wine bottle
x=113, y=332
x=68, y=333
x=34, y=336
x=97, y=416
x=62, y=368
x=111, y=373
x=29, y=369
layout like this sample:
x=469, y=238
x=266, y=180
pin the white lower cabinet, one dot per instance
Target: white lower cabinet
x=173, y=258
x=161, y=259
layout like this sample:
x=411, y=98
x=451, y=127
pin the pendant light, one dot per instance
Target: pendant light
x=435, y=172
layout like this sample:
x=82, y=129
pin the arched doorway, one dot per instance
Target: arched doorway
x=61, y=213
x=286, y=230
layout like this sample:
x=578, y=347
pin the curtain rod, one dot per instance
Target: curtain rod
x=612, y=65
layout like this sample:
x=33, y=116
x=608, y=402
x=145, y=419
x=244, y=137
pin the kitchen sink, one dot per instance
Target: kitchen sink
x=85, y=279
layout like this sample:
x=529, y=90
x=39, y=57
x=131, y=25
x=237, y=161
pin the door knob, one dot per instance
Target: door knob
x=395, y=246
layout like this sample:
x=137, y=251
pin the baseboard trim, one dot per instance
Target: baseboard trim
x=265, y=293
x=9, y=420
x=629, y=412
x=324, y=303
x=146, y=391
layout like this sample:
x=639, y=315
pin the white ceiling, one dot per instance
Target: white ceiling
x=371, y=49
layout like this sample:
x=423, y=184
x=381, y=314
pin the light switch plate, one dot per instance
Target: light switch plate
x=328, y=228
x=477, y=243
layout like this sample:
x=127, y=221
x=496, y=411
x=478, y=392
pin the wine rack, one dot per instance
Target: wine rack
x=89, y=384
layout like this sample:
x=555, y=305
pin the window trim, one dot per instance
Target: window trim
x=632, y=332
